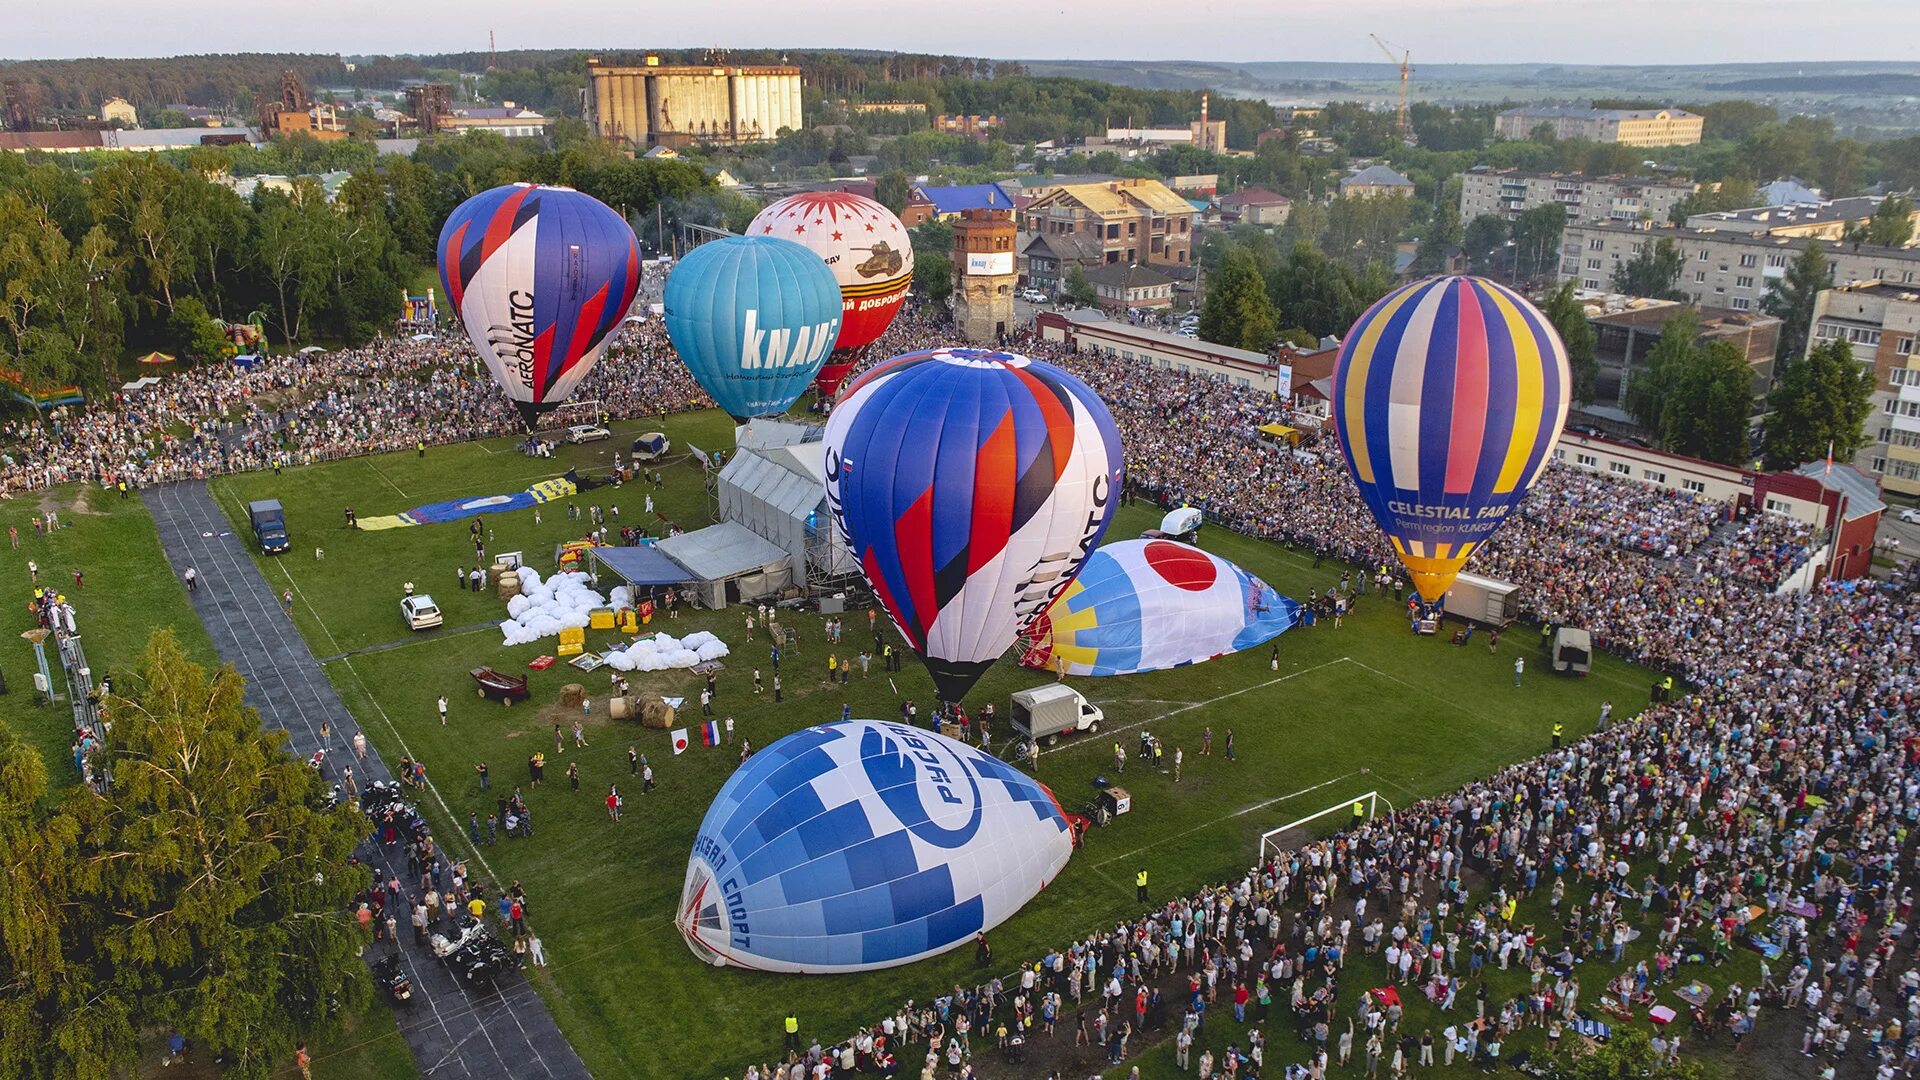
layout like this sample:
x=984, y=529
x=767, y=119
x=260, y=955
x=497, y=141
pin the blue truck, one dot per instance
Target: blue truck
x=269, y=525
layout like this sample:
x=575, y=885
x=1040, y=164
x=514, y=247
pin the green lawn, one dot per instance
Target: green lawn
x=1418, y=715
x=129, y=591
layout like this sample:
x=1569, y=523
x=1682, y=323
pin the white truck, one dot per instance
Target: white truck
x=1043, y=713
x=1482, y=600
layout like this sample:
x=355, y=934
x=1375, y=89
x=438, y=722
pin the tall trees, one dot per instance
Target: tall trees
x=1536, y=241
x=1711, y=405
x=891, y=190
x=205, y=889
x=1650, y=388
x=1653, y=273
x=1484, y=236
x=1076, y=290
x=1892, y=224
x=59, y=301
x=1792, y=296
x=1820, y=400
x=1569, y=319
x=1697, y=399
x=1237, y=310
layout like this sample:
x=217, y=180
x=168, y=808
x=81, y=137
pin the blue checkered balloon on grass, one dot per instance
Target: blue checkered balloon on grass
x=865, y=844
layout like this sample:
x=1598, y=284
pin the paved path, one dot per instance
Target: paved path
x=456, y=1034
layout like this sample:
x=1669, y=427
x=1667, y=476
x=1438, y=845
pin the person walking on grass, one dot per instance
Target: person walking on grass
x=613, y=804
x=442, y=705
x=1519, y=669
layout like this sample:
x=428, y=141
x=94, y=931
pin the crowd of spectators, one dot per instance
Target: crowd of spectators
x=1771, y=810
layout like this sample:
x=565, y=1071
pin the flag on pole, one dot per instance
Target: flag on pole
x=1829, y=470
x=680, y=741
x=710, y=733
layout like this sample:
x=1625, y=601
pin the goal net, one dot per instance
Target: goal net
x=1294, y=833
x=557, y=420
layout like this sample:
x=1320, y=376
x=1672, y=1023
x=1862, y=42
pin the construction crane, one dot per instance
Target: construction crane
x=1405, y=60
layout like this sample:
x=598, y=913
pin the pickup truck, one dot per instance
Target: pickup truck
x=269, y=525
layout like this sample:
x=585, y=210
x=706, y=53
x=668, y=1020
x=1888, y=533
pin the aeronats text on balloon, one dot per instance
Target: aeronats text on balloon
x=1457, y=513
x=1052, y=574
x=517, y=339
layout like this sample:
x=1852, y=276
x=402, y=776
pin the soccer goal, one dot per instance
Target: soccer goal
x=1294, y=833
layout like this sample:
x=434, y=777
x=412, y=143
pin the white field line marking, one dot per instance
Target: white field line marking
x=1229, y=817
x=452, y=821
x=1083, y=743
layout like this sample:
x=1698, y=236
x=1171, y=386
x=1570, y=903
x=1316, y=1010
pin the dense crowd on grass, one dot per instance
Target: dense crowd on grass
x=1785, y=785
x=1769, y=810
x=393, y=394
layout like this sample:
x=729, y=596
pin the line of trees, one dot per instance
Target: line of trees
x=206, y=889
x=127, y=252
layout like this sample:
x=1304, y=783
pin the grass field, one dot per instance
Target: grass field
x=1419, y=715
x=130, y=591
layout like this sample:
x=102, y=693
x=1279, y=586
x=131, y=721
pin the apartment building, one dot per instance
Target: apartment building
x=1881, y=321
x=1628, y=127
x=1724, y=269
x=1589, y=200
x=1136, y=221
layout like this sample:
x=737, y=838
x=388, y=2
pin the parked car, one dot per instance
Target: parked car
x=1586, y=429
x=1035, y=296
x=420, y=612
x=1910, y=515
x=586, y=433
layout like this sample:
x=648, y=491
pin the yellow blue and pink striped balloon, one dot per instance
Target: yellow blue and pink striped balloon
x=1449, y=395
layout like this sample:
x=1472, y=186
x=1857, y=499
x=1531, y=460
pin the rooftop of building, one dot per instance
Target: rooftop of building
x=958, y=197
x=1599, y=114
x=1127, y=276
x=1377, y=176
x=1854, y=208
x=1790, y=243
x=1579, y=177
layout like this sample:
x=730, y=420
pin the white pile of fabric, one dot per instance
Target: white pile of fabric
x=544, y=608
x=663, y=651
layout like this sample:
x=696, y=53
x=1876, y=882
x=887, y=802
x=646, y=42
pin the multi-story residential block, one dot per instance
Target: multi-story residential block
x=1628, y=127
x=1725, y=269
x=1589, y=200
x=1881, y=321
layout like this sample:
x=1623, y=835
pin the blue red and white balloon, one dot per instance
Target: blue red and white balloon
x=1449, y=396
x=753, y=318
x=540, y=276
x=971, y=485
x=1145, y=605
x=865, y=844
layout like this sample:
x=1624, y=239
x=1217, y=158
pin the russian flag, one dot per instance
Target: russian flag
x=710, y=733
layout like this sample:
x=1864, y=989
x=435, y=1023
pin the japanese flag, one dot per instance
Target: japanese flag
x=680, y=741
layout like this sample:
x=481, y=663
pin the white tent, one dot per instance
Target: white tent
x=731, y=564
x=779, y=493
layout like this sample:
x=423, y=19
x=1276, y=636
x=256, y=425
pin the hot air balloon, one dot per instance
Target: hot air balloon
x=865, y=844
x=540, y=275
x=753, y=318
x=867, y=249
x=1449, y=396
x=971, y=485
x=1144, y=605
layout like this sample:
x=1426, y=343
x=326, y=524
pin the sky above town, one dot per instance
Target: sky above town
x=1437, y=31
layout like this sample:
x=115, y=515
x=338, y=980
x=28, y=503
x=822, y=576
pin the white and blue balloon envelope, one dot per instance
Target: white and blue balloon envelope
x=865, y=844
x=1146, y=605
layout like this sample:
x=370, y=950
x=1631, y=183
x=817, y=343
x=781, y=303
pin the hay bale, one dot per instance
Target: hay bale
x=620, y=708
x=655, y=713
x=508, y=586
x=572, y=694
